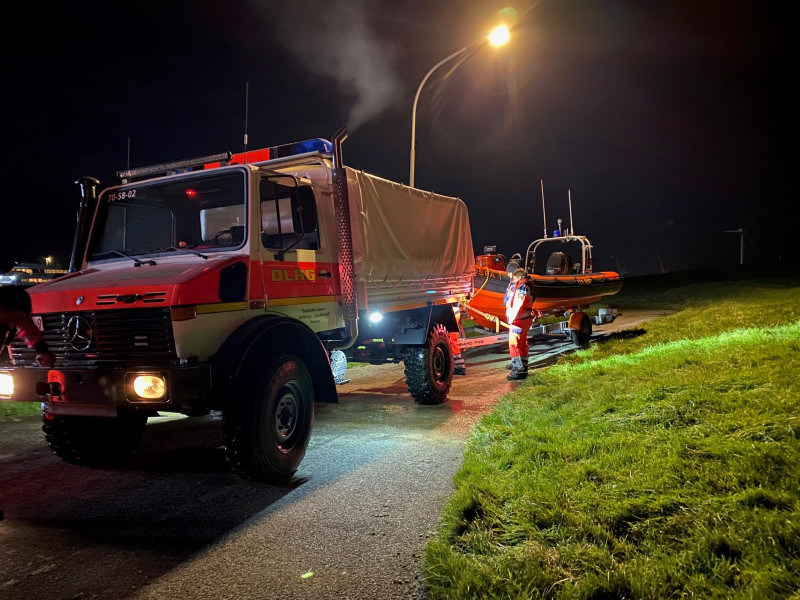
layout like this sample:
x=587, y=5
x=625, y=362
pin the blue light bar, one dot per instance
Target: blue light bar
x=314, y=145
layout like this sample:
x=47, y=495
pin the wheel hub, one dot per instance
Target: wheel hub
x=286, y=416
x=438, y=363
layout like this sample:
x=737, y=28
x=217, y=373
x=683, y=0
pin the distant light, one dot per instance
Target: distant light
x=375, y=317
x=48, y=260
x=499, y=36
x=191, y=193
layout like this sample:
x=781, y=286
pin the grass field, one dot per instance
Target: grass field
x=663, y=463
x=13, y=410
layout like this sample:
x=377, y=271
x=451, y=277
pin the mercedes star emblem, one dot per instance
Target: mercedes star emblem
x=79, y=333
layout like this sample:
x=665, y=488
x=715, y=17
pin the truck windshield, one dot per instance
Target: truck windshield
x=206, y=212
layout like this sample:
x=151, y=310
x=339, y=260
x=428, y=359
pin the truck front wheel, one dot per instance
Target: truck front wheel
x=429, y=369
x=93, y=441
x=267, y=430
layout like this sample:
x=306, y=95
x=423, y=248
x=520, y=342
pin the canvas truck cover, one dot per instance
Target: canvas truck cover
x=403, y=234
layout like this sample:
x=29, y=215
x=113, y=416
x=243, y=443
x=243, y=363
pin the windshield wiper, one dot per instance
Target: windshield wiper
x=136, y=261
x=174, y=249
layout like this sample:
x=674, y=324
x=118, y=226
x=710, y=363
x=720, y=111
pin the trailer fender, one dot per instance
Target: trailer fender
x=271, y=335
x=579, y=328
x=575, y=320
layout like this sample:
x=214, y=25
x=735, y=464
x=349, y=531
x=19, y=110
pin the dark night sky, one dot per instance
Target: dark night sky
x=666, y=120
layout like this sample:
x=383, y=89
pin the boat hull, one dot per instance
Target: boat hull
x=552, y=294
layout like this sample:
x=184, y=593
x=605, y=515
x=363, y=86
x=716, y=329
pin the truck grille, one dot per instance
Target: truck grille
x=105, y=337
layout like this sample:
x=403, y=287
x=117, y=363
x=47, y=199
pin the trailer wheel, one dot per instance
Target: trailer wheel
x=267, y=431
x=93, y=441
x=429, y=368
x=581, y=335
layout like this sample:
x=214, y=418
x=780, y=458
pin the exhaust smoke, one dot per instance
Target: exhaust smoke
x=338, y=42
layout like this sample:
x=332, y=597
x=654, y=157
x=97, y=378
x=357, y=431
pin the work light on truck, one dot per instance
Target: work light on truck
x=148, y=387
x=6, y=385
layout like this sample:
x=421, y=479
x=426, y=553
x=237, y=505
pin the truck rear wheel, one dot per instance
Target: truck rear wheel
x=267, y=430
x=93, y=441
x=429, y=369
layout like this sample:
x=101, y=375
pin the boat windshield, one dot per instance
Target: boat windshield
x=564, y=255
x=207, y=211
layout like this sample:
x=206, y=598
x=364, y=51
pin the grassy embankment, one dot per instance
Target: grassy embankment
x=664, y=463
x=14, y=410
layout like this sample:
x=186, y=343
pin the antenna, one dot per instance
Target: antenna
x=571, y=227
x=246, y=112
x=544, y=217
x=129, y=153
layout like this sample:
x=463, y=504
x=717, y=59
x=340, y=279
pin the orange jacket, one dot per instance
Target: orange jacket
x=518, y=301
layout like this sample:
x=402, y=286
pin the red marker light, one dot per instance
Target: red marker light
x=191, y=193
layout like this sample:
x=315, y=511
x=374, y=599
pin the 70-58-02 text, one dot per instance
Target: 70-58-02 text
x=121, y=195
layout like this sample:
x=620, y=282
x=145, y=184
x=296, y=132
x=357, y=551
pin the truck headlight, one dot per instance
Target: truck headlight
x=149, y=387
x=6, y=385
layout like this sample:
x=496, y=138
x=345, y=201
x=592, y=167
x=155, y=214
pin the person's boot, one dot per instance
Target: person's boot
x=517, y=371
x=459, y=366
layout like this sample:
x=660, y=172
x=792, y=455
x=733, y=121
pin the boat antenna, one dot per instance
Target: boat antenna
x=571, y=227
x=544, y=217
x=246, y=112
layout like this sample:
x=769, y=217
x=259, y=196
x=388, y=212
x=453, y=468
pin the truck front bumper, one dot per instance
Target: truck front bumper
x=103, y=391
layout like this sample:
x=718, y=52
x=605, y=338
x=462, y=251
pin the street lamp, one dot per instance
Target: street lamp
x=497, y=37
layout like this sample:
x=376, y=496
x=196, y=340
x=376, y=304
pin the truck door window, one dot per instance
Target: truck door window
x=288, y=217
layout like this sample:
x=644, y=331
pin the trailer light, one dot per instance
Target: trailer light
x=375, y=317
x=150, y=387
x=6, y=385
x=183, y=313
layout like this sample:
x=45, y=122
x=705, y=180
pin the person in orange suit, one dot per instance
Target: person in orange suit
x=459, y=366
x=15, y=322
x=518, y=301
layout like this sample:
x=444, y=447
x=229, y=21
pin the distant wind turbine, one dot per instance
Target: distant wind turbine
x=742, y=231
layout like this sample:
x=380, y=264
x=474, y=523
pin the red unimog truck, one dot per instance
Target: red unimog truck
x=225, y=283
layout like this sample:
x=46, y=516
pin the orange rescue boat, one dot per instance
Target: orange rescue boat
x=559, y=272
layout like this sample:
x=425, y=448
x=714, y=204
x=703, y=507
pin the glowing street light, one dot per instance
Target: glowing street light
x=497, y=37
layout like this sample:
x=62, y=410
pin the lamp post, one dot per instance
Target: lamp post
x=498, y=37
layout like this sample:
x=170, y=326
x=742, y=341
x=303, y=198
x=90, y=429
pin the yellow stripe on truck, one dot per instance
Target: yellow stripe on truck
x=205, y=309
x=305, y=300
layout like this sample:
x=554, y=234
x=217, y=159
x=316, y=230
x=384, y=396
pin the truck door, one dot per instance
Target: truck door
x=298, y=271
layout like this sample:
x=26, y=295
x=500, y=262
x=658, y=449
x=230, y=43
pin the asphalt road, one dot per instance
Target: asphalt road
x=173, y=523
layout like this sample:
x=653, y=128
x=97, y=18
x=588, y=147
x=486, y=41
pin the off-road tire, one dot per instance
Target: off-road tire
x=429, y=368
x=93, y=441
x=580, y=336
x=266, y=429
